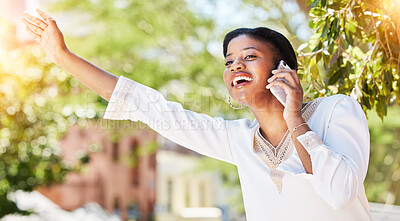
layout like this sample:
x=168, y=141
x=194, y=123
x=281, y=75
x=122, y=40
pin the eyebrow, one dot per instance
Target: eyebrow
x=251, y=47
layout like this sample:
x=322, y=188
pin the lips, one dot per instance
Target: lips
x=240, y=79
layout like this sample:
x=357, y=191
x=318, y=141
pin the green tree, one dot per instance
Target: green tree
x=383, y=178
x=160, y=44
x=354, y=51
x=30, y=123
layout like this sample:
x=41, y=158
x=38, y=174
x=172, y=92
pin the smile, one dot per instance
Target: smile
x=240, y=79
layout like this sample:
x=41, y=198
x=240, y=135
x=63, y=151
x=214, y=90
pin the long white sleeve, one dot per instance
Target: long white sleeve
x=198, y=132
x=340, y=161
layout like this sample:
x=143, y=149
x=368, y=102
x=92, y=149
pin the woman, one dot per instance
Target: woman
x=295, y=161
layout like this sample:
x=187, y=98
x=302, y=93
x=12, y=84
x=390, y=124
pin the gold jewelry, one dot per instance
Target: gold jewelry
x=236, y=108
x=295, y=128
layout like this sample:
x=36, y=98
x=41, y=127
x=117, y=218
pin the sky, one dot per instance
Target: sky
x=228, y=14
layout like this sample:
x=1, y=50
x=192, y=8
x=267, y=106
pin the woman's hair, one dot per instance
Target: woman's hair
x=278, y=43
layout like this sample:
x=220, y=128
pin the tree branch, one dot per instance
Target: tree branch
x=368, y=60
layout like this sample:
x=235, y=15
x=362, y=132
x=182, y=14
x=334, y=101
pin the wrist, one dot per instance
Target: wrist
x=294, y=121
x=61, y=57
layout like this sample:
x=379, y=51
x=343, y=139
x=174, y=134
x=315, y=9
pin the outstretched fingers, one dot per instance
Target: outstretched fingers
x=33, y=34
x=45, y=16
x=32, y=27
x=36, y=21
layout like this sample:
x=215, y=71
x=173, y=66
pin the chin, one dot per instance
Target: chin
x=241, y=98
x=252, y=97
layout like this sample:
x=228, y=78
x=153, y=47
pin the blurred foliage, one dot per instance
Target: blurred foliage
x=39, y=101
x=274, y=14
x=383, y=179
x=163, y=44
x=160, y=44
x=30, y=123
x=354, y=51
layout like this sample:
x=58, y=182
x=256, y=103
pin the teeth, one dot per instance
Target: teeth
x=238, y=78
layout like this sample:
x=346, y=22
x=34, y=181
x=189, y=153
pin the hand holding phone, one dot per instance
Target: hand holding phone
x=277, y=91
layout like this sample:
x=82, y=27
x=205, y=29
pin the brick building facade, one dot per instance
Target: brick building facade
x=120, y=176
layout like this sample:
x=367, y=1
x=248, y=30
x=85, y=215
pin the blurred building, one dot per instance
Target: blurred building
x=119, y=176
x=132, y=179
x=185, y=192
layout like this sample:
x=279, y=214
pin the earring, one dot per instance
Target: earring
x=236, y=108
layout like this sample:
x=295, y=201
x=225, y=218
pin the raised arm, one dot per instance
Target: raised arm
x=46, y=32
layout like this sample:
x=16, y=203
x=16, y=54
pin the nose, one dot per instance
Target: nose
x=236, y=66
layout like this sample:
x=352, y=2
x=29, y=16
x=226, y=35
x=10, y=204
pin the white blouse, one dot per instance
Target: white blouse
x=338, y=146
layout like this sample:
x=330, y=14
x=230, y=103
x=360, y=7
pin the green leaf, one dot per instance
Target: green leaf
x=348, y=68
x=335, y=75
x=351, y=26
x=326, y=59
x=309, y=2
x=349, y=37
x=388, y=83
x=335, y=28
x=381, y=107
x=337, y=5
x=365, y=102
x=318, y=47
x=318, y=57
x=324, y=3
x=358, y=53
x=318, y=11
x=331, y=48
x=314, y=72
x=325, y=29
x=315, y=3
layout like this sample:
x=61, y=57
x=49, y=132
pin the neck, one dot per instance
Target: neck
x=270, y=117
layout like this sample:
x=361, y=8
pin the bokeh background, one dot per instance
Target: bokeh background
x=54, y=142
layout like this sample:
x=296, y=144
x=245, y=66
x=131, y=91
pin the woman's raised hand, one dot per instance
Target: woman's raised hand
x=46, y=32
x=293, y=89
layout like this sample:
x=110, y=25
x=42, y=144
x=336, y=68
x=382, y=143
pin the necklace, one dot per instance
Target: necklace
x=274, y=156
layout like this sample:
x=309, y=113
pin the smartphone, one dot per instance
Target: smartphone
x=277, y=91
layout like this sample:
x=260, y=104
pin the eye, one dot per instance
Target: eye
x=228, y=63
x=250, y=56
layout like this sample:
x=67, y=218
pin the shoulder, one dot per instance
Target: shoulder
x=346, y=102
x=339, y=101
x=338, y=113
x=340, y=106
x=241, y=127
x=338, y=98
x=242, y=123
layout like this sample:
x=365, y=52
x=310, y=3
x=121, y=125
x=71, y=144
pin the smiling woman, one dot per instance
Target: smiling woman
x=297, y=161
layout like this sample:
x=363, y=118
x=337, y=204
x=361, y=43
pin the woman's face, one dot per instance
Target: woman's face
x=248, y=63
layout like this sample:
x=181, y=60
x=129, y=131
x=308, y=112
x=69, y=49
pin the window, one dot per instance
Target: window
x=115, y=151
x=152, y=161
x=135, y=162
x=187, y=193
x=169, y=194
x=202, y=191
